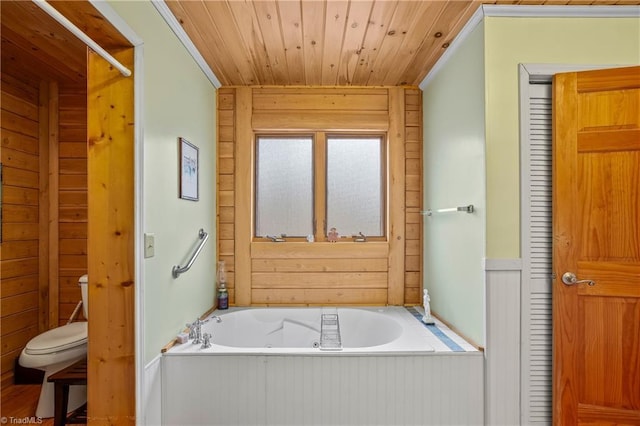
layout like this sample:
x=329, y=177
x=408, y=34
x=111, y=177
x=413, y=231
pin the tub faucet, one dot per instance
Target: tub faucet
x=195, y=329
x=206, y=341
x=192, y=330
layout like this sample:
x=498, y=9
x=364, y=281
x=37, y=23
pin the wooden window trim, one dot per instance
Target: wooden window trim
x=319, y=160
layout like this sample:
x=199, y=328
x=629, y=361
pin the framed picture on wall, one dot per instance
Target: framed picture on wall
x=189, y=169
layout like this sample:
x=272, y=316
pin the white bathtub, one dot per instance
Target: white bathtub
x=264, y=369
x=297, y=330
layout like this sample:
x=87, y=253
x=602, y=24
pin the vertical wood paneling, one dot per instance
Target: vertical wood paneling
x=241, y=111
x=502, y=382
x=226, y=184
x=243, y=195
x=430, y=389
x=19, y=265
x=111, y=356
x=396, y=201
x=413, y=199
x=48, y=122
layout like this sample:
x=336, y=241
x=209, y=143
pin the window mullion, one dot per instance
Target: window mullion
x=320, y=186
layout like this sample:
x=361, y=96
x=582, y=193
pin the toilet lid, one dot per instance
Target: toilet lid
x=58, y=339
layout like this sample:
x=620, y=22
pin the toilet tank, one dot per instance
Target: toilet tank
x=83, y=282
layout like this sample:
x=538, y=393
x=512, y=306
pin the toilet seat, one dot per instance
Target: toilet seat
x=58, y=339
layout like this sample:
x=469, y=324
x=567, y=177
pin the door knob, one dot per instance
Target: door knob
x=569, y=278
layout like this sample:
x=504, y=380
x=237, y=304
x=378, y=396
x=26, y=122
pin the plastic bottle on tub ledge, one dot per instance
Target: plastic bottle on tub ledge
x=221, y=278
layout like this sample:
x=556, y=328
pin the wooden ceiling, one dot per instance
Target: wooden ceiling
x=328, y=42
x=35, y=47
x=264, y=42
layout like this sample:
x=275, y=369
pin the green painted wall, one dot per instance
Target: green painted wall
x=454, y=170
x=471, y=124
x=179, y=101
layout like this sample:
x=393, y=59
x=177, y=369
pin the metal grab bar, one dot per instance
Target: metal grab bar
x=468, y=209
x=177, y=270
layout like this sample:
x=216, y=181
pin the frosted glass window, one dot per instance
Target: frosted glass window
x=355, y=185
x=284, y=186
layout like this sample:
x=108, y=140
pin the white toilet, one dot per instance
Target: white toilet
x=54, y=350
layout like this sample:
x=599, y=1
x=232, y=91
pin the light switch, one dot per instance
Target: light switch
x=149, y=245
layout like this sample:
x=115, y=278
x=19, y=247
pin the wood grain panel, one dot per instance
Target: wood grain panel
x=18, y=106
x=319, y=296
x=18, y=322
x=14, y=342
x=413, y=199
x=19, y=124
x=320, y=99
x=18, y=250
x=19, y=303
x=306, y=280
x=16, y=86
x=111, y=355
x=73, y=197
x=226, y=182
x=242, y=204
x=396, y=221
x=20, y=177
x=19, y=142
x=19, y=264
x=20, y=231
x=19, y=285
x=312, y=41
x=346, y=250
x=70, y=149
x=69, y=160
x=12, y=213
x=410, y=32
x=318, y=265
x=320, y=120
x=380, y=17
x=308, y=109
x=19, y=159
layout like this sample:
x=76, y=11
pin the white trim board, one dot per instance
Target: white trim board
x=527, y=12
x=117, y=21
x=514, y=264
x=175, y=26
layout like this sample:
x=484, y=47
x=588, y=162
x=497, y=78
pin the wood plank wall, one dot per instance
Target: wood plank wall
x=413, y=197
x=72, y=197
x=19, y=267
x=44, y=209
x=292, y=273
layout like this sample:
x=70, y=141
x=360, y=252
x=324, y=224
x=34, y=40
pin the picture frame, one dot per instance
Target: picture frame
x=189, y=169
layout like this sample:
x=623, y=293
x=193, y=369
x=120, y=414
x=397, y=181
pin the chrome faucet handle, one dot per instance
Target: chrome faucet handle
x=192, y=330
x=206, y=343
x=215, y=317
x=197, y=326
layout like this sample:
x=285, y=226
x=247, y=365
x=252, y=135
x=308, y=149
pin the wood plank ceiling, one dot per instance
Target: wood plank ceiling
x=328, y=42
x=41, y=49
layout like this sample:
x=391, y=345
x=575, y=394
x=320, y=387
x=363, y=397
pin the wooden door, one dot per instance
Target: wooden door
x=596, y=236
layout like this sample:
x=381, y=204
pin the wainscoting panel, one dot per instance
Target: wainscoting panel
x=431, y=389
x=152, y=404
x=502, y=350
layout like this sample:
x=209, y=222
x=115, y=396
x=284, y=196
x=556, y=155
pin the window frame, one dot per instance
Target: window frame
x=254, y=190
x=384, y=184
x=319, y=180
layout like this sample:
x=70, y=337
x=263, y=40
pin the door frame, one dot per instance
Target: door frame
x=137, y=42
